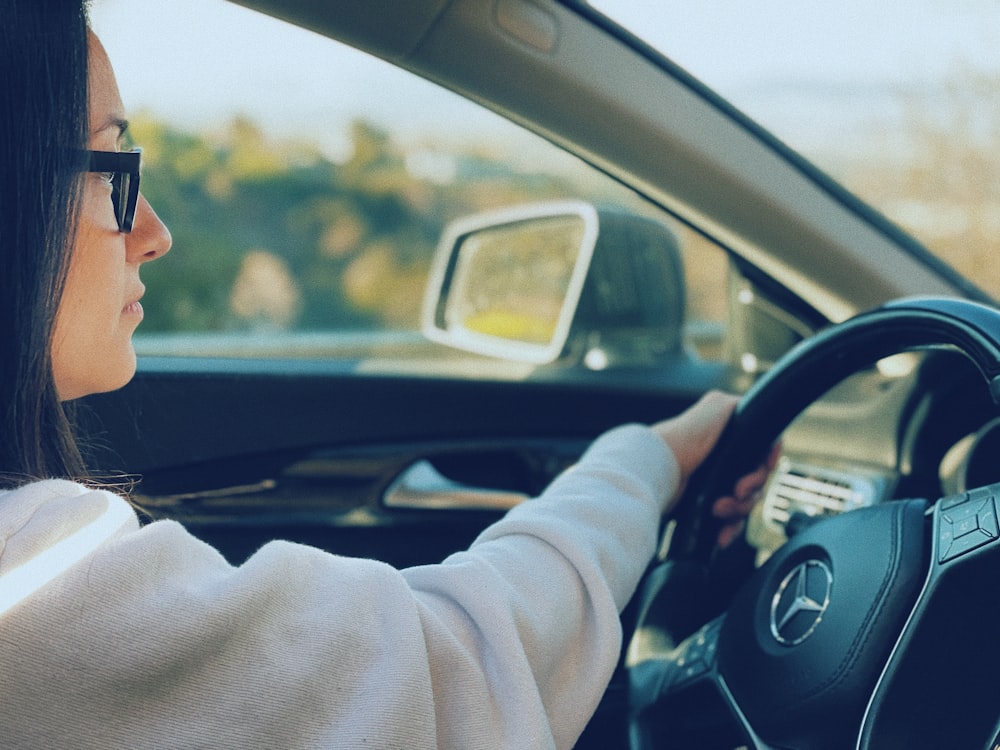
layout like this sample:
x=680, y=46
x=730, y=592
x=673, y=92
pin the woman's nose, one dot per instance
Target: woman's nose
x=149, y=238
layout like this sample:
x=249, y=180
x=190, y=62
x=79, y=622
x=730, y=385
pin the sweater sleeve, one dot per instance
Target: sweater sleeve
x=535, y=601
x=154, y=640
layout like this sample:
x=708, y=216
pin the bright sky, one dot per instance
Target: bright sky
x=863, y=41
x=751, y=52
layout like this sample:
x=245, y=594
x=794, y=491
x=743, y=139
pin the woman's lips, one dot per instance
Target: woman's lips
x=134, y=308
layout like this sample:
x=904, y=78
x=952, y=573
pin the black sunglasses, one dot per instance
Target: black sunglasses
x=123, y=168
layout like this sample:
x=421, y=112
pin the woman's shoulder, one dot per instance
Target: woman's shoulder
x=48, y=500
x=48, y=526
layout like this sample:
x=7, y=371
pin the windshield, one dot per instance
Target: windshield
x=899, y=101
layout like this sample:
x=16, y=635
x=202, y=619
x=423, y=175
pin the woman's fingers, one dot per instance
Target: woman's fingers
x=730, y=532
x=729, y=508
x=734, y=509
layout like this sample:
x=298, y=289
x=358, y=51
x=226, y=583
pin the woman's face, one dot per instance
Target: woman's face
x=92, y=342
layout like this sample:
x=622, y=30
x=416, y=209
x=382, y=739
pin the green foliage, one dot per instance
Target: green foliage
x=274, y=235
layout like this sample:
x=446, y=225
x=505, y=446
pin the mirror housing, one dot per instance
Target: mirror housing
x=562, y=280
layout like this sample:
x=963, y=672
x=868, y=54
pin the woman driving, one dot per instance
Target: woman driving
x=119, y=634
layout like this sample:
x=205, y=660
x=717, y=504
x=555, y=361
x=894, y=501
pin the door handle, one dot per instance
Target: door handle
x=422, y=487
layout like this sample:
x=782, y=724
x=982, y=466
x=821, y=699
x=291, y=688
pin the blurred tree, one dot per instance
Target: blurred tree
x=337, y=246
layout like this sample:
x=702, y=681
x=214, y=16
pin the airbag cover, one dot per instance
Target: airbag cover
x=804, y=643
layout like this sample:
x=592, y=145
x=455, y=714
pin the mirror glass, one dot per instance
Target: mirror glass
x=511, y=281
x=507, y=284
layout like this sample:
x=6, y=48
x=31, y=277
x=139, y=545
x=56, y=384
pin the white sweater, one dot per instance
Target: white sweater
x=116, y=636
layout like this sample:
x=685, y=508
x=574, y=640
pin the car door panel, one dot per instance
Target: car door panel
x=308, y=452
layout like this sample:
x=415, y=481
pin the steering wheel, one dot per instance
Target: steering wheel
x=873, y=629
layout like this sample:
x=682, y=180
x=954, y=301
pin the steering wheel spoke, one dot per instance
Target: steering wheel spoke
x=687, y=706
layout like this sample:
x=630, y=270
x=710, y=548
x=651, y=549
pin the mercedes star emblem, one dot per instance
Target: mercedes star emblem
x=800, y=601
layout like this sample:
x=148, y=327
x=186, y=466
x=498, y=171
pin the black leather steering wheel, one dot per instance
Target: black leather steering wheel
x=873, y=629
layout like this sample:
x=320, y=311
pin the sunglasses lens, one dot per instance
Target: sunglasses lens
x=121, y=194
x=124, y=170
x=116, y=198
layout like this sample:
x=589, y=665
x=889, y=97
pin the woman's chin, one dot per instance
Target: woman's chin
x=110, y=378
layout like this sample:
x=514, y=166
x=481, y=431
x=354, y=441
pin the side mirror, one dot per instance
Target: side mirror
x=538, y=282
x=507, y=283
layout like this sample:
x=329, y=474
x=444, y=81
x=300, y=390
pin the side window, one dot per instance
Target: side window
x=306, y=206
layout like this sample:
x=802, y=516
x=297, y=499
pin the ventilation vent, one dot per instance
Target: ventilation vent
x=816, y=491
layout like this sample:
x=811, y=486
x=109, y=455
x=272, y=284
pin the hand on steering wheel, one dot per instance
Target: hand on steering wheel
x=732, y=510
x=691, y=436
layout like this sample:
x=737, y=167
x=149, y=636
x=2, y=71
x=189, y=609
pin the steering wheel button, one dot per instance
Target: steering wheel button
x=945, y=555
x=988, y=519
x=956, y=536
x=984, y=493
x=950, y=502
x=970, y=542
x=967, y=509
x=967, y=522
x=946, y=537
x=966, y=525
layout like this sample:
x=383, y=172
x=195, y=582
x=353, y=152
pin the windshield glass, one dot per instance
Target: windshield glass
x=899, y=101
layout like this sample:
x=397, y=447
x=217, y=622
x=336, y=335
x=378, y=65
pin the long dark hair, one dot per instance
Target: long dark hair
x=43, y=121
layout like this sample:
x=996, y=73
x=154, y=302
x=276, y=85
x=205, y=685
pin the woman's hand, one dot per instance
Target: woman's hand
x=691, y=436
